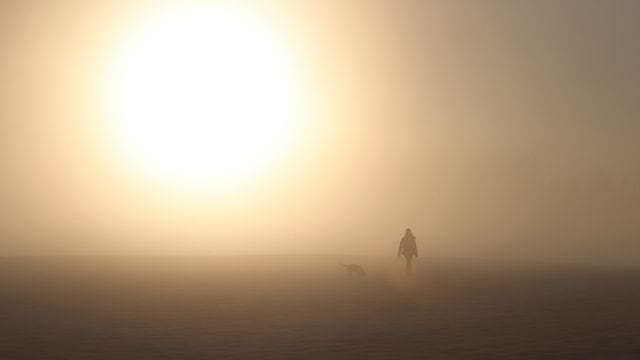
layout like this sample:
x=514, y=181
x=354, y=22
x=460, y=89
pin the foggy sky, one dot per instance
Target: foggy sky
x=492, y=128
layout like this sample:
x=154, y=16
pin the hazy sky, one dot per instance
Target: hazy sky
x=492, y=128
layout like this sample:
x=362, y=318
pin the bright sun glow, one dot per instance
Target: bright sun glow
x=204, y=96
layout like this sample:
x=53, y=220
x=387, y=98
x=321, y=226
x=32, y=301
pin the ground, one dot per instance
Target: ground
x=261, y=307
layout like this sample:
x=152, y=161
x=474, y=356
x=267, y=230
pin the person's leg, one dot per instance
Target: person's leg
x=409, y=264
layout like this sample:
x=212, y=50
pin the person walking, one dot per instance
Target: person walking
x=408, y=249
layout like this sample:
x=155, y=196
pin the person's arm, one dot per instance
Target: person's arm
x=400, y=248
x=415, y=246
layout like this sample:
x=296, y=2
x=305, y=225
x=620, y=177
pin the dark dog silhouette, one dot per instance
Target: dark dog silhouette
x=354, y=269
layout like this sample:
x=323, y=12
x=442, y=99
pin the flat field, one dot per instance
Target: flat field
x=279, y=307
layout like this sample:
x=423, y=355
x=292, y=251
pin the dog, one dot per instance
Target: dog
x=354, y=269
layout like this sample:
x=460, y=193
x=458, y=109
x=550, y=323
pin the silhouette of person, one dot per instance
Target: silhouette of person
x=408, y=249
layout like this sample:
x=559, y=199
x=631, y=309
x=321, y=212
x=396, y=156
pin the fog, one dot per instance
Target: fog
x=493, y=129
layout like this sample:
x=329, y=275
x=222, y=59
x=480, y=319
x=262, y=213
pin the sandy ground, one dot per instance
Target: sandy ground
x=261, y=307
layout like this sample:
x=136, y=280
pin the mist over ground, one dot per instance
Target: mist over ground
x=275, y=307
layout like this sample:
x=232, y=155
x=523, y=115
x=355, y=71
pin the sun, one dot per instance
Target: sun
x=204, y=96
